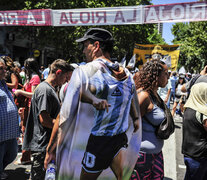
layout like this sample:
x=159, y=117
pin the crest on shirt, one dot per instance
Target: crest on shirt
x=116, y=92
x=132, y=89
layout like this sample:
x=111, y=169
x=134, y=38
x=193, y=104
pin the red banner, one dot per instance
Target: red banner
x=37, y=17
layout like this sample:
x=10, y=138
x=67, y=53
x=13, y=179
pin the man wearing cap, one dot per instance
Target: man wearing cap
x=111, y=91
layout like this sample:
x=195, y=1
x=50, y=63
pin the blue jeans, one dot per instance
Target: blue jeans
x=195, y=169
x=8, y=152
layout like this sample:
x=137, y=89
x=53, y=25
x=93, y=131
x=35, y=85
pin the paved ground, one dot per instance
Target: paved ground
x=173, y=158
x=18, y=172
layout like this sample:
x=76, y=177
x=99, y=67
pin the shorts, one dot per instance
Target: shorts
x=101, y=150
x=182, y=98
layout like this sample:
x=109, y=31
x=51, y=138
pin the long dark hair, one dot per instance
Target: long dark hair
x=31, y=66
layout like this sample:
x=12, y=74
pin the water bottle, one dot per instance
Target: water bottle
x=50, y=172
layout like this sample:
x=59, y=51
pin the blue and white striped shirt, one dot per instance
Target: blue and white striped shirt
x=9, y=124
x=119, y=95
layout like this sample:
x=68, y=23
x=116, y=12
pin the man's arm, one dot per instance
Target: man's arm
x=46, y=120
x=88, y=97
x=135, y=112
x=51, y=148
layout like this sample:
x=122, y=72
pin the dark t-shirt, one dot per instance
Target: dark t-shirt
x=44, y=99
x=194, y=142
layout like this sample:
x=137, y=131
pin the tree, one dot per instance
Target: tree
x=63, y=38
x=193, y=39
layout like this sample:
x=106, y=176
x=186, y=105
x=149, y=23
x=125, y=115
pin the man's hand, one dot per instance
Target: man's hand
x=48, y=158
x=136, y=125
x=101, y=104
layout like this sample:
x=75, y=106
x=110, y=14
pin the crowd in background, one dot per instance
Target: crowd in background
x=32, y=89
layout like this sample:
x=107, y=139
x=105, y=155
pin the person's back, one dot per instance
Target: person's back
x=97, y=46
x=173, y=80
x=194, y=144
x=202, y=77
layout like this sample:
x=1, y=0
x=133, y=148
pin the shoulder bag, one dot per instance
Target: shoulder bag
x=167, y=126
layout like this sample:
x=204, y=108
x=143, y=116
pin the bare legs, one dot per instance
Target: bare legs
x=116, y=166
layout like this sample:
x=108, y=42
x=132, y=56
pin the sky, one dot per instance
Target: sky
x=167, y=35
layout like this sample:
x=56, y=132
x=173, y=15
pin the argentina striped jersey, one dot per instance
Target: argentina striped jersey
x=119, y=95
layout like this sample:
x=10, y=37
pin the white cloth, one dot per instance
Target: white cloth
x=76, y=120
x=198, y=98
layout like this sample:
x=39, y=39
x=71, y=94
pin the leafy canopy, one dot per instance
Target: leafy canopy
x=63, y=38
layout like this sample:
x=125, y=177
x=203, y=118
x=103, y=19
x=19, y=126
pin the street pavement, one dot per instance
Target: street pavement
x=174, y=166
x=16, y=171
x=173, y=159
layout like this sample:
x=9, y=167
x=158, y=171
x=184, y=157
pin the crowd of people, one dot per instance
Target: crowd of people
x=43, y=105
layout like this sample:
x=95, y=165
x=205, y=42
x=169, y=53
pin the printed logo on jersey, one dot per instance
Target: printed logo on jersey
x=116, y=92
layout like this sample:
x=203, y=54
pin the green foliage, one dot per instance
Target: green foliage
x=63, y=38
x=156, y=38
x=193, y=39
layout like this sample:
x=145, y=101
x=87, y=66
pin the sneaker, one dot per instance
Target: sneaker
x=3, y=176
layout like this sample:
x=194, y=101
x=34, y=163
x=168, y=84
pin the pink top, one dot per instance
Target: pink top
x=34, y=81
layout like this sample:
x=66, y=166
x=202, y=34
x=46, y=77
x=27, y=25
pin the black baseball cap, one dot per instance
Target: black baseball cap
x=97, y=34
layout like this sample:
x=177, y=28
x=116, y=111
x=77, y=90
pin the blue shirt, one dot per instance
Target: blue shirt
x=9, y=124
x=46, y=73
x=119, y=95
x=173, y=81
x=150, y=143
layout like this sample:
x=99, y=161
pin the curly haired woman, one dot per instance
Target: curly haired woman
x=154, y=74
